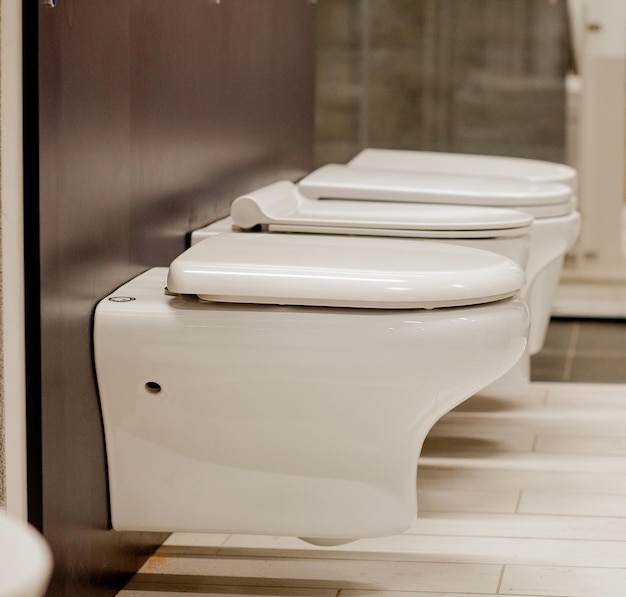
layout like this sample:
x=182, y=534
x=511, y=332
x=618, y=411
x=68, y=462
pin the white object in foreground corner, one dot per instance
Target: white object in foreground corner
x=25, y=559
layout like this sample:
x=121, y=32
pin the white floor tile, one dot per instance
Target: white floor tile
x=563, y=581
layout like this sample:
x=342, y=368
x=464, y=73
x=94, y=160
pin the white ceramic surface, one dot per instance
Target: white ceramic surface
x=553, y=235
x=25, y=559
x=341, y=271
x=340, y=181
x=281, y=206
x=436, y=162
x=262, y=419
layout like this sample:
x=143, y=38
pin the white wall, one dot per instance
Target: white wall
x=12, y=342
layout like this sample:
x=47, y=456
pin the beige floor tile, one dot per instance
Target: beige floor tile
x=200, y=590
x=557, y=463
x=491, y=478
x=548, y=419
x=573, y=504
x=195, y=540
x=449, y=548
x=414, y=594
x=582, y=444
x=563, y=581
x=432, y=500
x=321, y=573
x=597, y=396
x=520, y=525
x=453, y=439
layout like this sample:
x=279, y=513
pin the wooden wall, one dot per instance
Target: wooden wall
x=152, y=117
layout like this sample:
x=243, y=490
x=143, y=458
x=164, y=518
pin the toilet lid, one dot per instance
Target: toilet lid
x=334, y=181
x=280, y=207
x=337, y=271
x=438, y=162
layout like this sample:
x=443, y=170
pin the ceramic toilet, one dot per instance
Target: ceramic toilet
x=555, y=231
x=282, y=207
x=284, y=383
x=556, y=222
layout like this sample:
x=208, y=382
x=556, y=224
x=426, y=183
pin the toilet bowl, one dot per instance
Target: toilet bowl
x=25, y=559
x=284, y=384
x=458, y=181
x=560, y=232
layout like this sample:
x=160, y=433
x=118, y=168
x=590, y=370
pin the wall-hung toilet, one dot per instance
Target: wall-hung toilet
x=559, y=230
x=273, y=388
x=281, y=207
x=556, y=222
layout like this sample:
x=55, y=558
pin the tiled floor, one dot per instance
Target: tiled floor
x=583, y=350
x=521, y=495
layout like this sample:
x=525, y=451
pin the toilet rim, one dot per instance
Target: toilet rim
x=337, y=271
x=340, y=181
x=280, y=207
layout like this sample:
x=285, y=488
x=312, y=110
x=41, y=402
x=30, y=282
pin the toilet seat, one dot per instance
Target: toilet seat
x=337, y=271
x=335, y=181
x=280, y=207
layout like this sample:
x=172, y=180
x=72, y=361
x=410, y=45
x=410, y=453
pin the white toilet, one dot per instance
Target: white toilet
x=393, y=204
x=555, y=231
x=284, y=383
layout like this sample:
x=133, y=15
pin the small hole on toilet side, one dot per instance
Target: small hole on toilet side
x=153, y=387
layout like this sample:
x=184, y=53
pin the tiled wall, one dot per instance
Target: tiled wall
x=480, y=76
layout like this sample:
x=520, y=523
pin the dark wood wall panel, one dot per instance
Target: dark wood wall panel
x=153, y=116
